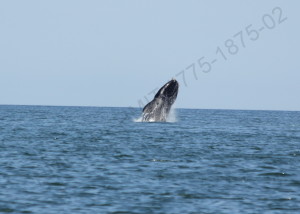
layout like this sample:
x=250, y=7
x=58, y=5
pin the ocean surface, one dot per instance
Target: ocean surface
x=102, y=160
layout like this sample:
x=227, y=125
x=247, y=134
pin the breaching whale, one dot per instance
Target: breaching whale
x=158, y=109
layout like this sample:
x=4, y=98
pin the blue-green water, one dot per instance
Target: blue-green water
x=99, y=160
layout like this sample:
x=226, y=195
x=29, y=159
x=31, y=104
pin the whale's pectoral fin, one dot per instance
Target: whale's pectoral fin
x=149, y=106
x=150, y=111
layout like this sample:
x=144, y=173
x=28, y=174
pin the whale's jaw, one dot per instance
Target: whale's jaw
x=159, y=108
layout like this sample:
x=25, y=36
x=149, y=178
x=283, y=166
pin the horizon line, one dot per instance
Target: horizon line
x=191, y=108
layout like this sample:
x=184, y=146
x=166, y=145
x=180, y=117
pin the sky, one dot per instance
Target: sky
x=225, y=54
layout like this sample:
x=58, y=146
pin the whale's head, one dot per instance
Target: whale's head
x=169, y=91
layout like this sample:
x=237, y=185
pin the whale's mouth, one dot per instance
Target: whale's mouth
x=169, y=90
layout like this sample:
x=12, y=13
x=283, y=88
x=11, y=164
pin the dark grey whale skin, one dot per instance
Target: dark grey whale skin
x=159, y=108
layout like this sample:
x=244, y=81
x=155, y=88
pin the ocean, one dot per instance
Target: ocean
x=102, y=160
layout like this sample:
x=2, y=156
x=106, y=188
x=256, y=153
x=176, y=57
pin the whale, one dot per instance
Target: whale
x=159, y=108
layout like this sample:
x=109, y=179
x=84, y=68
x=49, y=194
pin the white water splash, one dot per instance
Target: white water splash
x=138, y=120
x=172, y=118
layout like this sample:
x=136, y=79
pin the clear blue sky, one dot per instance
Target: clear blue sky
x=113, y=53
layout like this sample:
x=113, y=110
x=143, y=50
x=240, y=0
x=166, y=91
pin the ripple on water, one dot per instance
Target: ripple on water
x=88, y=160
x=275, y=174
